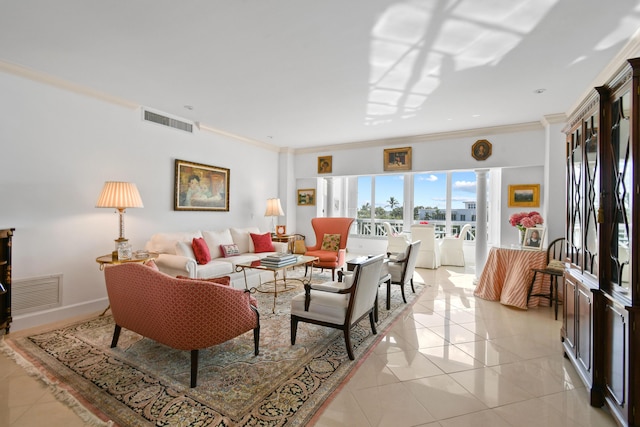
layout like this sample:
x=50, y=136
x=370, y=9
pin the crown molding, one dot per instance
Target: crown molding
x=37, y=76
x=630, y=50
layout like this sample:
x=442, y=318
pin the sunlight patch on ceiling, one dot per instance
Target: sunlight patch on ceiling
x=628, y=25
x=412, y=40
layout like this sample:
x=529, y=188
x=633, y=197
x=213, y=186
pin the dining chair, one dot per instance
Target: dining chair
x=451, y=248
x=429, y=253
x=340, y=305
x=401, y=267
x=395, y=242
x=554, y=269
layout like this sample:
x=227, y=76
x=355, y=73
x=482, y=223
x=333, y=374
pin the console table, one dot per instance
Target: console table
x=507, y=275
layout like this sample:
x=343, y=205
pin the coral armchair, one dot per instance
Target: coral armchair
x=329, y=257
x=184, y=314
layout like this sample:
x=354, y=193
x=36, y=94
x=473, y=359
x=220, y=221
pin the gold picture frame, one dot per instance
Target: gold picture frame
x=307, y=197
x=325, y=164
x=200, y=187
x=481, y=149
x=524, y=196
x=397, y=159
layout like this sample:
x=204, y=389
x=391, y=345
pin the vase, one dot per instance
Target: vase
x=521, y=237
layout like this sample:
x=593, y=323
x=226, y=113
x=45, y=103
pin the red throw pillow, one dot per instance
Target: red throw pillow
x=262, y=242
x=201, y=250
x=222, y=280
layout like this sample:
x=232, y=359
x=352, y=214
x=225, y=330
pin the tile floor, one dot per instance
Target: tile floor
x=451, y=361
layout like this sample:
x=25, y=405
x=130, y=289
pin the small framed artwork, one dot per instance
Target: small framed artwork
x=534, y=238
x=200, y=187
x=481, y=149
x=525, y=196
x=325, y=164
x=397, y=159
x=307, y=197
x=281, y=230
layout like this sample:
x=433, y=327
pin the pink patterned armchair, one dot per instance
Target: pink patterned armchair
x=185, y=314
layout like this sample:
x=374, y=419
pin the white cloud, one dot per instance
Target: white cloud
x=466, y=186
x=430, y=178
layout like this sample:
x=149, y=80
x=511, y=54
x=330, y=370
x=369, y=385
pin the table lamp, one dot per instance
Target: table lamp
x=274, y=209
x=120, y=196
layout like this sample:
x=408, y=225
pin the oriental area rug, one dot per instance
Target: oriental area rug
x=143, y=383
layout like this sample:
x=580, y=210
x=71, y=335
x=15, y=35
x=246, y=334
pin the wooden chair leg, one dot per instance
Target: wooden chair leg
x=412, y=288
x=116, y=336
x=402, y=291
x=294, y=329
x=347, y=341
x=194, y=368
x=531, y=287
x=373, y=323
x=256, y=341
x=389, y=294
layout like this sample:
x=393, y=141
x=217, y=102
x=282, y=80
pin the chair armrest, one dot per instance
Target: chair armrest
x=175, y=265
x=397, y=257
x=333, y=287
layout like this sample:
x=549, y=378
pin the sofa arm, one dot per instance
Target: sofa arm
x=280, y=246
x=177, y=265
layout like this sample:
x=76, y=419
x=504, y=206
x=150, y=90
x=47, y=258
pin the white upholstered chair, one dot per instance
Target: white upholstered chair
x=340, y=305
x=451, y=248
x=401, y=267
x=396, y=243
x=429, y=253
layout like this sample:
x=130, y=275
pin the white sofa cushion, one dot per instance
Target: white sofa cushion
x=216, y=238
x=185, y=249
x=165, y=243
x=214, y=268
x=242, y=238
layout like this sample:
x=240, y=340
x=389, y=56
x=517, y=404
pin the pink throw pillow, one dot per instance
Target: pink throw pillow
x=262, y=242
x=200, y=250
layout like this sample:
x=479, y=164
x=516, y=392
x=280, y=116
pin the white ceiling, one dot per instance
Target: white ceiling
x=300, y=73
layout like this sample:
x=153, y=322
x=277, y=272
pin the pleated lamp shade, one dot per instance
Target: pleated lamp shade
x=119, y=195
x=274, y=208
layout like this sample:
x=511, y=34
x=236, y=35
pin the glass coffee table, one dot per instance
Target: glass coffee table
x=278, y=284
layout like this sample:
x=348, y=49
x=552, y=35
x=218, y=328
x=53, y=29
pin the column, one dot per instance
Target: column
x=481, y=219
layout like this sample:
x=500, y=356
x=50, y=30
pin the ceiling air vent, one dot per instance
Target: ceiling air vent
x=167, y=121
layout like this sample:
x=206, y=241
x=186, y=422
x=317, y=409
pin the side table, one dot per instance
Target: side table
x=289, y=239
x=108, y=259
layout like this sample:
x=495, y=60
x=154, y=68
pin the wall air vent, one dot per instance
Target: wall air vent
x=150, y=116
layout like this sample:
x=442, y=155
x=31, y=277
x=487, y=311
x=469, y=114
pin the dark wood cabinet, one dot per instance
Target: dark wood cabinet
x=5, y=278
x=601, y=283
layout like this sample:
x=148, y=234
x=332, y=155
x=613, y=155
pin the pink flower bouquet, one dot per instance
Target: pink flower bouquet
x=524, y=220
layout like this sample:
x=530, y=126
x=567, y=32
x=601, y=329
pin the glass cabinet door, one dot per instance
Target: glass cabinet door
x=621, y=168
x=574, y=213
x=591, y=194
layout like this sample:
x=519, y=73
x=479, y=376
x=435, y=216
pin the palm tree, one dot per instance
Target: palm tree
x=392, y=202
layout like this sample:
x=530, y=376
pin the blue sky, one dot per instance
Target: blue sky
x=429, y=189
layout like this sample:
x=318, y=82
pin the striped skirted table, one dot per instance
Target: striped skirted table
x=507, y=275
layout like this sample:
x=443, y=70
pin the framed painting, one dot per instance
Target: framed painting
x=307, y=197
x=397, y=159
x=200, y=187
x=481, y=149
x=525, y=196
x=534, y=238
x=325, y=164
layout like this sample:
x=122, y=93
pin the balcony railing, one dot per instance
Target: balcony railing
x=365, y=228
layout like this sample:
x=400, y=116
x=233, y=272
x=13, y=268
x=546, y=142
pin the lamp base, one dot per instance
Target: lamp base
x=119, y=241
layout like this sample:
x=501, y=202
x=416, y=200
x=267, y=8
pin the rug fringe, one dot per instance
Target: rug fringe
x=61, y=394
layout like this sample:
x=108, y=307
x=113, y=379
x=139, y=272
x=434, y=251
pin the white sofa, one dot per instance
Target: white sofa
x=177, y=258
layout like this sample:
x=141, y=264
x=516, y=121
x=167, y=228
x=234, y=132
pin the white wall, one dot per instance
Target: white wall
x=58, y=149
x=520, y=155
